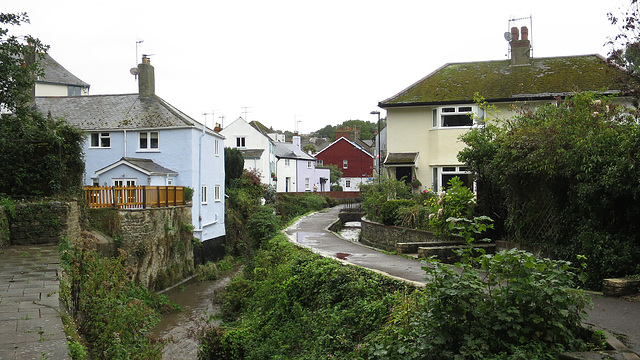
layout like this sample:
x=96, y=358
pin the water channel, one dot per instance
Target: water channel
x=181, y=329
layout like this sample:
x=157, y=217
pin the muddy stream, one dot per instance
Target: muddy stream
x=181, y=329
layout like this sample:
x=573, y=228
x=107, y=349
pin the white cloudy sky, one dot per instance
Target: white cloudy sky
x=318, y=62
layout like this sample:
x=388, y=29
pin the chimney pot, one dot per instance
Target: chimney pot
x=525, y=33
x=514, y=34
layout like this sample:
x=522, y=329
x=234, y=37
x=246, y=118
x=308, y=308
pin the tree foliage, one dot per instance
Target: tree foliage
x=39, y=155
x=233, y=164
x=568, y=177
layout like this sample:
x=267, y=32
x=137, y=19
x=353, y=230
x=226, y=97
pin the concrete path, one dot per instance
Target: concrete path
x=30, y=324
x=613, y=314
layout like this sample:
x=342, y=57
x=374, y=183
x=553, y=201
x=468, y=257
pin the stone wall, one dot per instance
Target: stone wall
x=158, y=242
x=387, y=237
x=44, y=222
x=4, y=228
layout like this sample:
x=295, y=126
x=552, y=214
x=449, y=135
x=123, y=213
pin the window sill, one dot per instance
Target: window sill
x=148, y=150
x=99, y=147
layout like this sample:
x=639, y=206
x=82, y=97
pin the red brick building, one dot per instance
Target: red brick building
x=352, y=158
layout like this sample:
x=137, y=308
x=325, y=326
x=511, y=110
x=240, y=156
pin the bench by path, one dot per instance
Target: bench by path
x=30, y=323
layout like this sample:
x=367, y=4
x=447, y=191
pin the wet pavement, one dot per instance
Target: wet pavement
x=616, y=315
x=30, y=323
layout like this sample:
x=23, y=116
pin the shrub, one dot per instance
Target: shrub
x=113, y=314
x=294, y=304
x=390, y=211
x=375, y=195
x=511, y=305
x=457, y=201
x=263, y=224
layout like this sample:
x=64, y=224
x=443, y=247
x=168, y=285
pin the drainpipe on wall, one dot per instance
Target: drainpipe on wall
x=125, y=142
x=199, y=229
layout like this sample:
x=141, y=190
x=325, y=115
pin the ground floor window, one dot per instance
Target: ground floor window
x=404, y=173
x=443, y=174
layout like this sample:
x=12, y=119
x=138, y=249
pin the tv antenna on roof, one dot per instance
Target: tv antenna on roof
x=509, y=37
x=134, y=70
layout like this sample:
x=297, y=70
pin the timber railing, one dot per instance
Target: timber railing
x=134, y=197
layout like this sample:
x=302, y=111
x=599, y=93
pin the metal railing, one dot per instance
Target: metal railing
x=133, y=197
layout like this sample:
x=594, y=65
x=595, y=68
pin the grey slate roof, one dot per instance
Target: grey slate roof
x=401, y=158
x=54, y=73
x=290, y=151
x=104, y=112
x=147, y=166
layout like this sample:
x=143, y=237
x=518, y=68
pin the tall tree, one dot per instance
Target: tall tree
x=17, y=74
x=39, y=156
x=625, y=46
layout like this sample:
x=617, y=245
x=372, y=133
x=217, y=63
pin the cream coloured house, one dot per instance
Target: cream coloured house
x=425, y=120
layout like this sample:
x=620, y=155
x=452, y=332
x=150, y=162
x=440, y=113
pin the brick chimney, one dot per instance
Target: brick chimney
x=520, y=46
x=146, y=78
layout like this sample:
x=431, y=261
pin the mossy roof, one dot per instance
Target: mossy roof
x=501, y=81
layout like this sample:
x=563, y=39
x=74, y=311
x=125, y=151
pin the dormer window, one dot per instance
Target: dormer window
x=454, y=116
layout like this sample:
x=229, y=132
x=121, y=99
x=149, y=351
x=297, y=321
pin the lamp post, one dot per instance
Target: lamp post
x=378, y=142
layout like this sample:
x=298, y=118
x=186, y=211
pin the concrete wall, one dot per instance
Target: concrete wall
x=387, y=237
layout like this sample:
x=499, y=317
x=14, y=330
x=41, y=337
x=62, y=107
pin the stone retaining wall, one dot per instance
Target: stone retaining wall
x=4, y=228
x=44, y=222
x=387, y=237
x=158, y=242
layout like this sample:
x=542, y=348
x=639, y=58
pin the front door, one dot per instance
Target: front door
x=403, y=172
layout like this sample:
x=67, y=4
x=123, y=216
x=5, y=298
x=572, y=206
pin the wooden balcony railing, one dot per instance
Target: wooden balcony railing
x=134, y=197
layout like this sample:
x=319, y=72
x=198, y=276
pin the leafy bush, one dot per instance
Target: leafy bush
x=457, y=201
x=263, y=224
x=390, y=211
x=564, y=178
x=375, y=195
x=294, y=304
x=511, y=305
x=290, y=206
x=113, y=314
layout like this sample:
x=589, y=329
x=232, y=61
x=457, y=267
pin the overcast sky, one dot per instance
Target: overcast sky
x=296, y=63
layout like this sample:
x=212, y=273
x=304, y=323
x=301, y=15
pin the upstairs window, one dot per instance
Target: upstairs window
x=453, y=116
x=241, y=142
x=309, y=164
x=73, y=90
x=345, y=164
x=149, y=140
x=101, y=140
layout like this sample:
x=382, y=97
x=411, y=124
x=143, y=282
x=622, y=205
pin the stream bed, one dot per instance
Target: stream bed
x=181, y=329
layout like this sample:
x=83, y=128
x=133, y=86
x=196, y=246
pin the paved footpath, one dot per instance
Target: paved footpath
x=30, y=324
x=613, y=314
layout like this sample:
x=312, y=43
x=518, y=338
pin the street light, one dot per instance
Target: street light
x=378, y=142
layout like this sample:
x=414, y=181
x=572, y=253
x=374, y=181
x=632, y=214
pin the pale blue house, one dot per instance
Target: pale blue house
x=140, y=139
x=296, y=170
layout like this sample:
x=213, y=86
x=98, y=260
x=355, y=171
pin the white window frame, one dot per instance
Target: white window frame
x=307, y=184
x=102, y=140
x=319, y=162
x=309, y=164
x=347, y=183
x=438, y=115
x=440, y=171
x=216, y=193
x=217, y=147
x=124, y=182
x=241, y=142
x=203, y=194
x=345, y=164
x=148, y=146
x=287, y=162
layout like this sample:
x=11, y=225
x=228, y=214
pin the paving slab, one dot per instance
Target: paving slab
x=30, y=323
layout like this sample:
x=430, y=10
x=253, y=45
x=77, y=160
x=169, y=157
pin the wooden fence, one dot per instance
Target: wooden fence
x=133, y=197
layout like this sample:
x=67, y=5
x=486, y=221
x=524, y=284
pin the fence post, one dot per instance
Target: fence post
x=144, y=196
x=115, y=197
